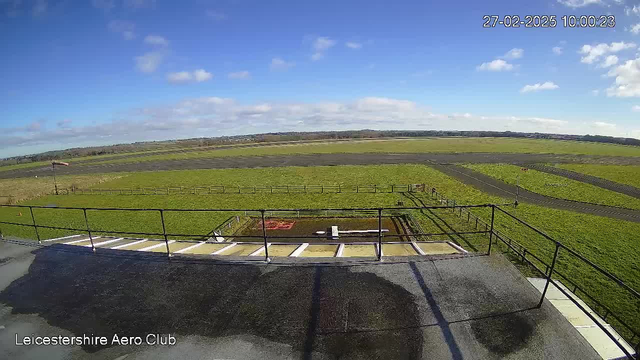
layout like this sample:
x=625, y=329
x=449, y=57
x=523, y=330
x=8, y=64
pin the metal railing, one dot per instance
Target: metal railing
x=548, y=272
x=250, y=189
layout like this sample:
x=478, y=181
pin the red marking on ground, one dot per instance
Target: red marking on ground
x=277, y=224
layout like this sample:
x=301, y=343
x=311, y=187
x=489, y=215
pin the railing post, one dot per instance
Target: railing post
x=164, y=232
x=264, y=236
x=86, y=221
x=553, y=265
x=493, y=216
x=379, y=234
x=35, y=227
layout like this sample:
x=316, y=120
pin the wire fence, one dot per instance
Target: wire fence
x=249, y=189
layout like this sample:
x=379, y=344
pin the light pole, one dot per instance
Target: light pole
x=53, y=166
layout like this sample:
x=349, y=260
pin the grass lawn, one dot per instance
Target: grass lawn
x=29, y=188
x=629, y=175
x=556, y=186
x=607, y=242
x=453, y=145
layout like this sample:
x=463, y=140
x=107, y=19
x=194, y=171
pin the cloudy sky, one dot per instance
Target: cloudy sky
x=79, y=73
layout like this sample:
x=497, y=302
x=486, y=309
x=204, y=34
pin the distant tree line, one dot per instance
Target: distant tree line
x=299, y=136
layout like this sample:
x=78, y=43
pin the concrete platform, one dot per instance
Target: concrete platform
x=585, y=326
x=474, y=307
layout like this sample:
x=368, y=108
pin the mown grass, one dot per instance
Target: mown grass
x=22, y=189
x=624, y=174
x=432, y=145
x=609, y=243
x=555, y=186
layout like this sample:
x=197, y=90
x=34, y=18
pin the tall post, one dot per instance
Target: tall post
x=164, y=232
x=379, y=234
x=86, y=221
x=55, y=184
x=518, y=189
x=33, y=219
x=264, y=236
x=493, y=216
x=553, y=265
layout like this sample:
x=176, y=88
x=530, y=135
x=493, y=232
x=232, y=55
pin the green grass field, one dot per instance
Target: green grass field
x=556, y=186
x=629, y=175
x=433, y=145
x=609, y=243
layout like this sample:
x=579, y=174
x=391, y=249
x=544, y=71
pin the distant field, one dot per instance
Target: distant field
x=433, y=145
x=30, y=188
x=606, y=241
x=629, y=175
x=556, y=186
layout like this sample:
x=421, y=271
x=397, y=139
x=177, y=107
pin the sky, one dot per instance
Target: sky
x=98, y=72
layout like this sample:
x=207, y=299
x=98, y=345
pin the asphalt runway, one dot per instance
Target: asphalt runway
x=319, y=160
x=441, y=161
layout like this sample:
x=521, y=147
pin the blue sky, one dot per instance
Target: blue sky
x=79, y=73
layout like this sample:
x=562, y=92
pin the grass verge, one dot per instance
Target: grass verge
x=556, y=186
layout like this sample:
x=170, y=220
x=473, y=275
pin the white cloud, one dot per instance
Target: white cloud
x=124, y=28
x=593, y=53
x=635, y=10
x=279, y=64
x=604, y=126
x=179, y=77
x=539, y=87
x=353, y=45
x=323, y=43
x=105, y=5
x=635, y=29
x=215, y=15
x=156, y=40
x=39, y=8
x=241, y=75
x=201, y=75
x=627, y=83
x=184, y=77
x=636, y=108
x=579, y=3
x=513, y=54
x=215, y=116
x=149, y=62
x=557, y=50
x=139, y=4
x=609, y=61
x=495, y=65
x=595, y=92
x=320, y=46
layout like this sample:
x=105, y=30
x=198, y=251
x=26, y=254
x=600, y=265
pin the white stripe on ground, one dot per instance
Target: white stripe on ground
x=189, y=248
x=257, y=252
x=457, y=247
x=129, y=244
x=299, y=250
x=417, y=248
x=105, y=242
x=157, y=245
x=224, y=249
x=340, y=250
x=77, y=241
x=64, y=237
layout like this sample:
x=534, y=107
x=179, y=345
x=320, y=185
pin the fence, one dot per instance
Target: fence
x=251, y=189
x=547, y=270
x=489, y=228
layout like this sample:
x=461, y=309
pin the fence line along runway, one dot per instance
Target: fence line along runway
x=319, y=160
